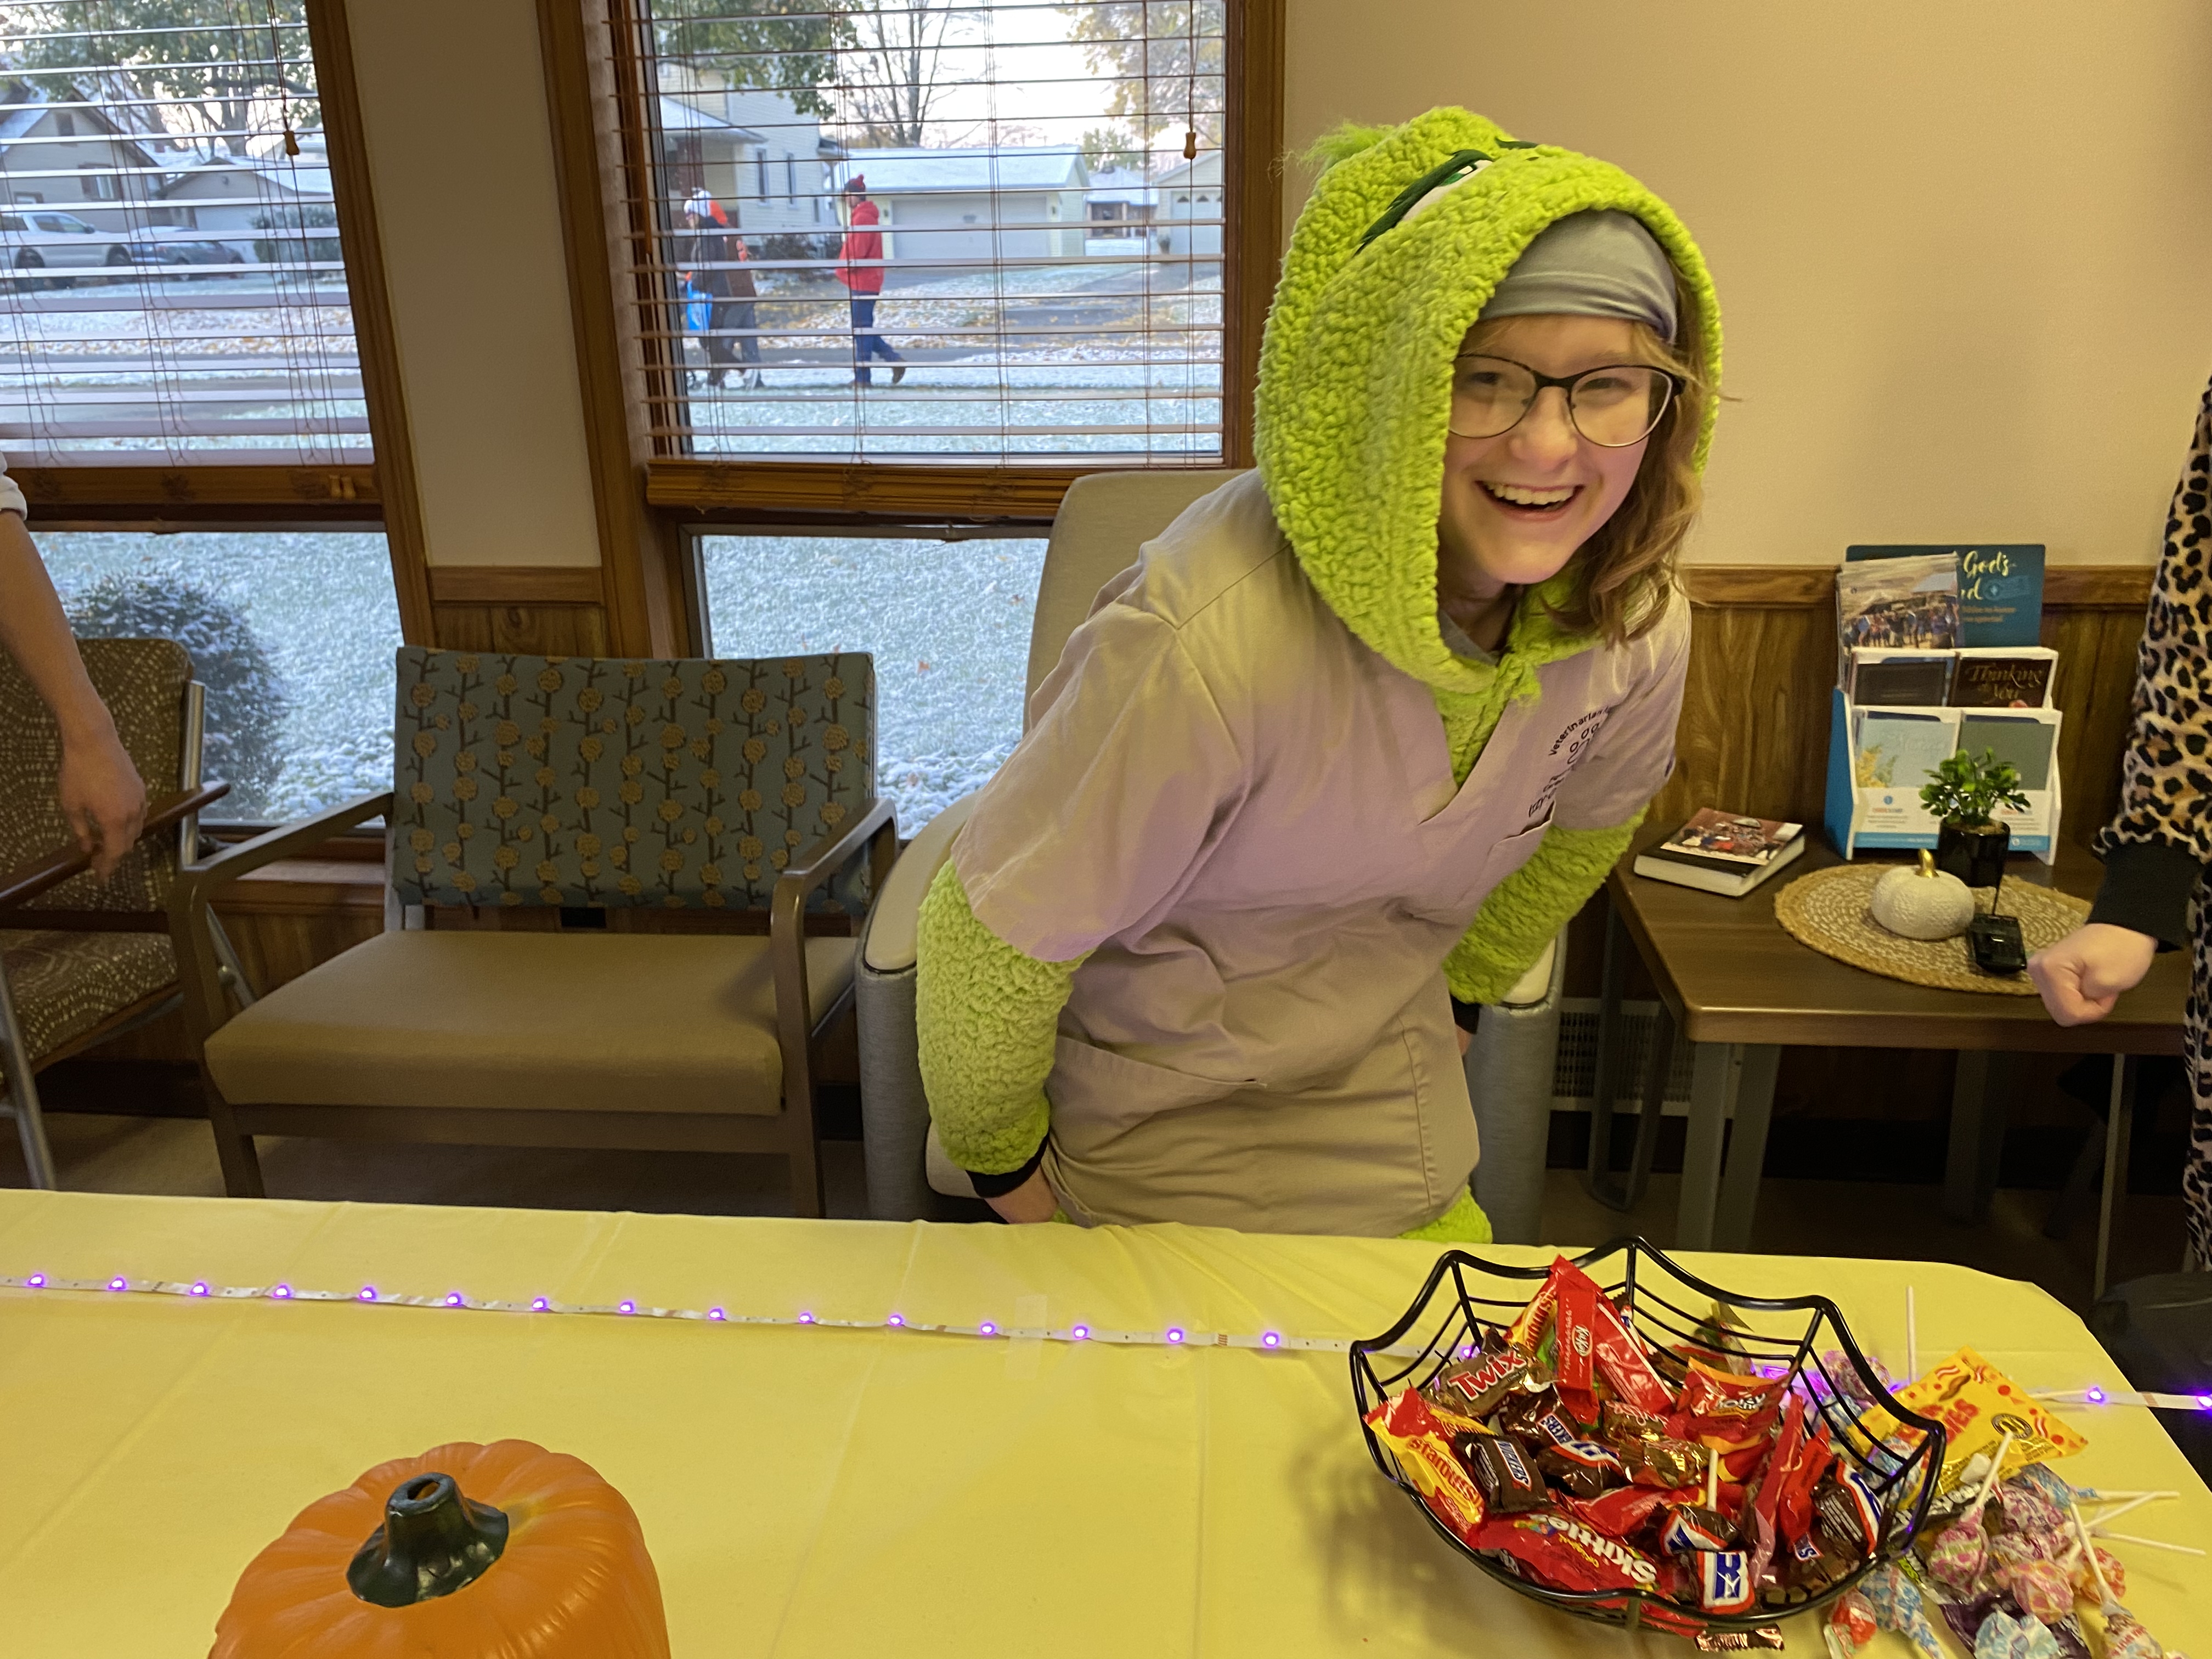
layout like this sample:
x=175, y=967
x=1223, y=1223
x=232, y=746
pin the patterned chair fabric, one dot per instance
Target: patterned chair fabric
x=143, y=684
x=64, y=984
x=598, y=781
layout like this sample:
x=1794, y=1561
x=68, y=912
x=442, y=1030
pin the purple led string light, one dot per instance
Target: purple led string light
x=1170, y=1336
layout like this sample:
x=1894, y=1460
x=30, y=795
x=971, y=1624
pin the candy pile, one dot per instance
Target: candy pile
x=2004, y=1560
x=1582, y=1458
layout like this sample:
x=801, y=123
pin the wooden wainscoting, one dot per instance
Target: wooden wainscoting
x=1756, y=712
x=554, y=610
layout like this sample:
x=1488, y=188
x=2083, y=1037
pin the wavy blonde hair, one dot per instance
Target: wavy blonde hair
x=1625, y=572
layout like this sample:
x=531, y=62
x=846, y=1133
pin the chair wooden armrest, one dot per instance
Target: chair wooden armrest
x=876, y=829
x=206, y=1007
x=26, y=882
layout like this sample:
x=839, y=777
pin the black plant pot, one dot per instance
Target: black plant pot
x=1973, y=853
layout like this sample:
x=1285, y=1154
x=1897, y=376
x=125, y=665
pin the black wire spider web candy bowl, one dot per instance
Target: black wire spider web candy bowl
x=1803, y=1339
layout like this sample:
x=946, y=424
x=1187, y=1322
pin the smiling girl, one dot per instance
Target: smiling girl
x=1356, y=734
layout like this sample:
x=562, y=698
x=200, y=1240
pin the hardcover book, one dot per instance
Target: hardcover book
x=2000, y=588
x=1729, y=853
x=2011, y=678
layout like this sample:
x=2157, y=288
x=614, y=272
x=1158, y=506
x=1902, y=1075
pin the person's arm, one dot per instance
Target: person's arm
x=102, y=794
x=2159, y=844
x=1594, y=817
x=1117, y=793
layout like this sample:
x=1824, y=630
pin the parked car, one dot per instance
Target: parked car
x=43, y=240
x=182, y=252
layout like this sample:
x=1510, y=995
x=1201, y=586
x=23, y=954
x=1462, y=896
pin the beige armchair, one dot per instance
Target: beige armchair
x=576, y=849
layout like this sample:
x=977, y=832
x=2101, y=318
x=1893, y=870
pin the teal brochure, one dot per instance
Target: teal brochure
x=2000, y=588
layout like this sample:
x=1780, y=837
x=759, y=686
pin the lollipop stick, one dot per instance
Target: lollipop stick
x=2097, y=1567
x=2099, y=1524
x=1996, y=1467
x=1712, y=1479
x=2148, y=1543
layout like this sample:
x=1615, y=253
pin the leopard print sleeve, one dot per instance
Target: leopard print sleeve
x=2160, y=841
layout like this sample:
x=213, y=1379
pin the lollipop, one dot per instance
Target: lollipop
x=2124, y=1636
x=2028, y=1509
x=1898, y=1605
x=2041, y=1587
x=2003, y=1636
x=1961, y=1550
x=2108, y=1570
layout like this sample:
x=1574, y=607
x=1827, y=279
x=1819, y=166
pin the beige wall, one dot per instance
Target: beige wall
x=453, y=103
x=1962, y=247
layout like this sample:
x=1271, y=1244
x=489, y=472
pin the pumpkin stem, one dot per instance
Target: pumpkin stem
x=433, y=1541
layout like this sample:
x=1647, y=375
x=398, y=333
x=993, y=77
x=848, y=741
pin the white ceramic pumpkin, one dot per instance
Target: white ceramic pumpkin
x=1921, y=902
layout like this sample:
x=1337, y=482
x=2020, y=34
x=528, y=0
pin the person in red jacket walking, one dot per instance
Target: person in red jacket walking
x=857, y=268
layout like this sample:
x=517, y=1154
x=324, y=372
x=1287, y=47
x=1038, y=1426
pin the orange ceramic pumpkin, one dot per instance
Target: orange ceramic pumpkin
x=500, y=1551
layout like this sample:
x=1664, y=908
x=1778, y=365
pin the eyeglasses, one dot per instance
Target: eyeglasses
x=1613, y=406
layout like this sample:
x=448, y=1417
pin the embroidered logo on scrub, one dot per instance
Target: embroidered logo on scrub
x=1572, y=743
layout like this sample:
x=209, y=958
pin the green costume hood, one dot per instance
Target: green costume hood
x=1355, y=371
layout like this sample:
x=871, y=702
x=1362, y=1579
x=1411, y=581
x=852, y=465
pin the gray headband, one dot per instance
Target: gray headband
x=1598, y=263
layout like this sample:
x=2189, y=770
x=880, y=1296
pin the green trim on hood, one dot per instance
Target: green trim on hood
x=1355, y=379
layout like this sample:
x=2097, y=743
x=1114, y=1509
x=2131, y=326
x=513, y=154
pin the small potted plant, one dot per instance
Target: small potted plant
x=1964, y=793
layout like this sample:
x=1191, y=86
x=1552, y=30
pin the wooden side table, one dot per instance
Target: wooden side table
x=1736, y=986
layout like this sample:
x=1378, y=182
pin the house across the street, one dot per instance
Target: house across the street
x=1189, y=212
x=764, y=162
x=1122, y=202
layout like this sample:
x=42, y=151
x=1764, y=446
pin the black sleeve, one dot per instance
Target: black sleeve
x=998, y=1186
x=2146, y=887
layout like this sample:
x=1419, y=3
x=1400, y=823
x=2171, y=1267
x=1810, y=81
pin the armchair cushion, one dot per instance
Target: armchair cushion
x=578, y=1021
x=64, y=984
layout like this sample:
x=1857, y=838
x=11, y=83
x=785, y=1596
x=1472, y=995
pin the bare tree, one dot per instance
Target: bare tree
x=1166, y=60
x=892, y=69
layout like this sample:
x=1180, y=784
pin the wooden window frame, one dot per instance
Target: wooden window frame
x=647, y=497
x=248, y=497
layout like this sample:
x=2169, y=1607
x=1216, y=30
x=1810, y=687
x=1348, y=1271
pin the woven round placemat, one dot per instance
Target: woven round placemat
x=1827, y=910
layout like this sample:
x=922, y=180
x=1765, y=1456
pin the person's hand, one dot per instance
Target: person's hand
x=2081, y=976
x=1466, y=1040
x=102, y=796
x=1033, y=1200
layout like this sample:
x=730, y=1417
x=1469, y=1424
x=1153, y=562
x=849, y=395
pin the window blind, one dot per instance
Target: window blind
x=904, y=228
x=171, y=287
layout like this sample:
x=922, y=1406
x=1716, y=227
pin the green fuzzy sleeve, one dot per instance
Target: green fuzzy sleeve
x=1525, y=909
x=986, y=1016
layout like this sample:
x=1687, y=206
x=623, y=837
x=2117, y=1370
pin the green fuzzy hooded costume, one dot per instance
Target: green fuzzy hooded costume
x=1353, y=400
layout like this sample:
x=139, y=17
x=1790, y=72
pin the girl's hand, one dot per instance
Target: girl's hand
x=2084, y=974
x=1033, y=1200
x=101, y=796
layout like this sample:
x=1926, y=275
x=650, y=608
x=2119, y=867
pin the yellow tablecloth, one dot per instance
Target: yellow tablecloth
x=830, y=1491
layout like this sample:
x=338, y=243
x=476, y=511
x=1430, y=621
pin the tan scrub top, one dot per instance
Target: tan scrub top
x=1248, y=818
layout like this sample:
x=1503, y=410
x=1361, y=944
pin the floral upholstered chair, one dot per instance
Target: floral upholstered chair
x=575, y=846
x=81, y=961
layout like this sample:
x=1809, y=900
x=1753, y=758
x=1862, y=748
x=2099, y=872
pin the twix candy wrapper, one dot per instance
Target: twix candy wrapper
x=1473, y=1386
x=1978, y=1405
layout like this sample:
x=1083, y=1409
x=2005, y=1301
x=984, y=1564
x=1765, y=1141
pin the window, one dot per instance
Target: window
x=760, y=173
x=191, y=106
x=968, y=126
x=947, y=622
x=299, y=710
x=790, y=178
x=203, y=375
